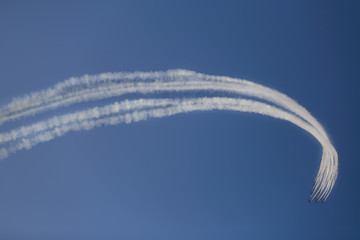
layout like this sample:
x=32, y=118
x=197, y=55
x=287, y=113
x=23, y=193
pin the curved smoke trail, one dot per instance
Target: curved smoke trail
x=240, y=95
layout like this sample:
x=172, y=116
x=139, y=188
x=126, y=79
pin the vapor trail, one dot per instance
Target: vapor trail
x=261, y=100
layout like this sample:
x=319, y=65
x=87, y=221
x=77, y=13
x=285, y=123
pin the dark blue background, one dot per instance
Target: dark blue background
x=203, y=175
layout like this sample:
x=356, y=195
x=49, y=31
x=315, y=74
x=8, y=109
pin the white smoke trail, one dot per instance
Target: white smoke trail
x=265, y=101
x=103, y=86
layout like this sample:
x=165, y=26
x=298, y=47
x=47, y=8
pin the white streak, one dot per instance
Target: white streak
x=264, y=101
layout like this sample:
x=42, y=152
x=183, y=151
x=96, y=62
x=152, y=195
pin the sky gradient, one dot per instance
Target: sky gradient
x=202, y=175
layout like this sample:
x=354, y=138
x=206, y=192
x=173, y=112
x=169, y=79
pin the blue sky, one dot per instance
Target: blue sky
x=192, y=176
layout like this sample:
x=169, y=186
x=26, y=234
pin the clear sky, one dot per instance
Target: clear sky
x=203, y=175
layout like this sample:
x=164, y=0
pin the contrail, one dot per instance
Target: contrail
x=212, y=93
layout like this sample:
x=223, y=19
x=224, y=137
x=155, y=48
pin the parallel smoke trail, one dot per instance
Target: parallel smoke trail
x=263, y=101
